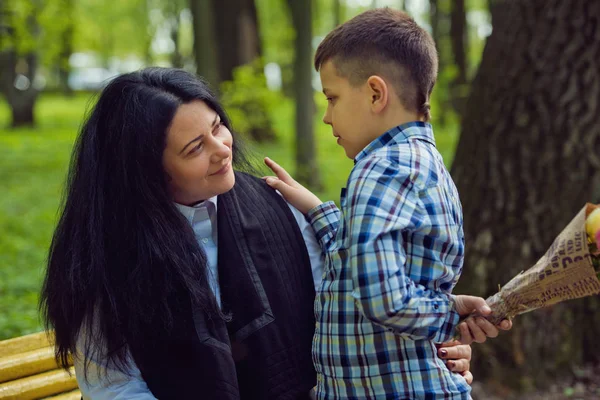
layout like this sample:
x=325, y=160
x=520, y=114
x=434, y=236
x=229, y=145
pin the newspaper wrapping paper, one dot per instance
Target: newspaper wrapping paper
x=565, y=272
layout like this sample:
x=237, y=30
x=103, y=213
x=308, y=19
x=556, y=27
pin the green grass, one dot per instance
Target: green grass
x=33, y=166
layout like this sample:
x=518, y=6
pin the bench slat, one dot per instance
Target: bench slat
x=27, y=364
x=39, y=386
x=74, y=395
x=25, y=343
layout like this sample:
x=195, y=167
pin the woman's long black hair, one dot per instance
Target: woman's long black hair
x=121, y=248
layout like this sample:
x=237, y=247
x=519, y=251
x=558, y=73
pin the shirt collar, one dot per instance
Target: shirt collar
x=189, y=212
x=399, y=134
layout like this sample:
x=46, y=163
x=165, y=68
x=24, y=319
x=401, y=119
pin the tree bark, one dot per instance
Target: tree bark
x=337, y=13
x=438, y=17
x=16, y=83
x=205, y=45
x=459, y=41
x=527, y=161
x=306, y=163
x=173, y=11
x=66, y=43
x=236, y=25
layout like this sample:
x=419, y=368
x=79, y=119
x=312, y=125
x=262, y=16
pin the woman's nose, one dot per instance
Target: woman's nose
x=221, y=151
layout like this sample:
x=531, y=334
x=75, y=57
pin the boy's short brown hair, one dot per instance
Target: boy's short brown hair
x=387, y=43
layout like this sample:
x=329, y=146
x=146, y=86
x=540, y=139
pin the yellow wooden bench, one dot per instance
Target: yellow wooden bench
x=29, y=371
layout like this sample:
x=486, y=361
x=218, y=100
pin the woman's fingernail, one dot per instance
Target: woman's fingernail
x=444, y=352
x=452, y=364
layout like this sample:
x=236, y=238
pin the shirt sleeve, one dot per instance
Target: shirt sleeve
x=383, y=203
x=325, y=220
x=106, y=383
x=317, y=258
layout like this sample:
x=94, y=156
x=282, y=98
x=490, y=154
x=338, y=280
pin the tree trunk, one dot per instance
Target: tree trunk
x=337, y=12
x=459, y=40
x=172, y=10
x=527, y=161
x=439, y=31
x=236, y=24
x=16, y=83
x=66, y=43
x=205, y=45
x=306, y=163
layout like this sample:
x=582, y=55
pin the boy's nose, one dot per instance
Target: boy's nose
x=326, y=119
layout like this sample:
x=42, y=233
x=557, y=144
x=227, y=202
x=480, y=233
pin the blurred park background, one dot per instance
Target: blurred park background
x=515, y=112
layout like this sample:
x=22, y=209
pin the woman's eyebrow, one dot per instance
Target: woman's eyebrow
x=214, y=123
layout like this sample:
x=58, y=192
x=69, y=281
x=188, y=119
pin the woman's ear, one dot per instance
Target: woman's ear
x=379, y=93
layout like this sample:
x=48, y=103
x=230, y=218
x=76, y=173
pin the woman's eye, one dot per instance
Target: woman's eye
x=196, y=148
x=218, y=128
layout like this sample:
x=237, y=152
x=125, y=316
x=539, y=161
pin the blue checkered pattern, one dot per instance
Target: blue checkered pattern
x=393, y=255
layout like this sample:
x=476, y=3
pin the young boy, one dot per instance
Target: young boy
x=396, y=249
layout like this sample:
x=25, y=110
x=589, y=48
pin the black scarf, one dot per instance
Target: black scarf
x=266, y=283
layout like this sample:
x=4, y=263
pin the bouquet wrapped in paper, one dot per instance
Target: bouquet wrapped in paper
x=570, y=269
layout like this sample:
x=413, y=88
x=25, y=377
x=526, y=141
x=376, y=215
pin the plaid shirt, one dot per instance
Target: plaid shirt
x=393, y=254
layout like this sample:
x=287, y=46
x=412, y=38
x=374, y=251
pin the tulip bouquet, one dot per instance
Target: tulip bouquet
x=570, y=269
x=592, y=228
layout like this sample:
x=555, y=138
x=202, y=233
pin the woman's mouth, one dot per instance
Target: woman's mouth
x=223, y=169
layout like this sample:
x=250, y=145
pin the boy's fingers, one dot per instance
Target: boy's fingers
x=466, y=304
x=506, y=325
x=279, y=185
x=487, y=327
x=476, y=332
x=279, y=170
x=465, y=334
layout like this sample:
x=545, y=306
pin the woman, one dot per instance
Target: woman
x=172, y=273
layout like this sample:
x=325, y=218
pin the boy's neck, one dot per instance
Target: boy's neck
x=397, y=117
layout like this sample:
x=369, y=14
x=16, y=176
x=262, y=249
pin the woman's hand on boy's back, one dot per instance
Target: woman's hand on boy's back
x=293, y=192
x=457, y=357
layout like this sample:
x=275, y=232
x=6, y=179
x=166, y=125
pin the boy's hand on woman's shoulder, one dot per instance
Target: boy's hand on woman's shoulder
x=475, y=328
x=293, y=192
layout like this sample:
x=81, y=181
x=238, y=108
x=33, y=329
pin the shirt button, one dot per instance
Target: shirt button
x=204, y=240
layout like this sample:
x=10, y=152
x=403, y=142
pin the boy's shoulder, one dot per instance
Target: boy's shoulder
x=416, y=160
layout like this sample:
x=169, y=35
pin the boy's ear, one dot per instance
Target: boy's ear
x=379, y=92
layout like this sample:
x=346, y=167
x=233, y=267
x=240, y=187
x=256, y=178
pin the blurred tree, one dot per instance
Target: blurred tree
x=19, y=60
x=122, y=30
x=277, y=39
x=459, y=87
x=66, y=45
x=527, y=161
x=237, y=34
x=173, y=10
x=338, y=12
x=205, y=42
x=306, y=163
x=230, y=39
x=439, y=18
